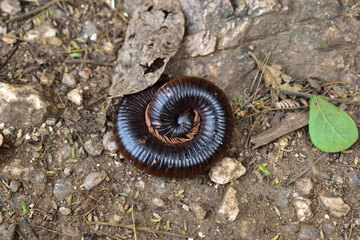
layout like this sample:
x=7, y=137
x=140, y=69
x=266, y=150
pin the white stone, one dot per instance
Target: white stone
x=75, y=96
x=229, y=206
x=303, y=208
x=226, y=170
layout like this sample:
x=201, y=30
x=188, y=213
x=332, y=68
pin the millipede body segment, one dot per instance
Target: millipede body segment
x=176, y=130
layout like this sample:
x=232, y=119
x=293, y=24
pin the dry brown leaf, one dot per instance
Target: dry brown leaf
x=152, y=38
x=274, y=76
x=1, y=139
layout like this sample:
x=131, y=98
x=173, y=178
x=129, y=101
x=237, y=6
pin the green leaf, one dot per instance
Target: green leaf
x=331, y=130
x=129, y=211
x=76, y=55
x=264, y=169
x=25, y=208
x=241, y=102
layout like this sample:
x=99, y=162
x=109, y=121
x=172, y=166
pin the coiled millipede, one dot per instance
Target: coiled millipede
x=176, y=130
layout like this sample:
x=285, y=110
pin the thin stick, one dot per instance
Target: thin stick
x=32, y=12
x=145, y=229
x=346, y=165
x=306, y=170
x=88, y=61
x=305, y=95
x=10, y=56
x=133, y=220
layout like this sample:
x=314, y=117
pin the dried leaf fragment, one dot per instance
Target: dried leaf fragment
x=152, y=38
x=274, y=76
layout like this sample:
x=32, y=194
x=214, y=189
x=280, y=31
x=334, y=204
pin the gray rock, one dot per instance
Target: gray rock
x=39, y=178
x=51, y=121
x=159, y=202
x=338, y=179
x=199, y=210
x=84, y=75
x=305, y=186
x=160, y=187
x=15, y=185
x=17, y=170
x=308, y=232
x=71, y=230
x=357, y=221
x=353, y=179
x=140, y=184
x=335, y=205
x=65, y=211
x=303, y=208
x=7, y=231
x=10, y=6
x=328, y=229
x=69, y=79
x=109, y=142
x=89, y=31
x=24, y=105
x=93, y=179
x=227, y=170
x=229, y=207
x=94, y=146
x=62, y=189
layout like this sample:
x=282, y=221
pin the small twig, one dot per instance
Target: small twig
x=306, y=170
x=83, y=61
x=31, y=229
x=10, y=56
x=133, y=220
x=346, y=165
x=145, y=229
x=275, y=109
x=32, y=12
x=305, y=95
x=247, y=142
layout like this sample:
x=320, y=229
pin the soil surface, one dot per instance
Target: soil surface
x=62, y=177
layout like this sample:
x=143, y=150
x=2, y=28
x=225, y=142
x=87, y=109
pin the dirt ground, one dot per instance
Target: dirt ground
x=45, y=165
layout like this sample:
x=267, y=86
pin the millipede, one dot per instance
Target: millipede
x=175, y=130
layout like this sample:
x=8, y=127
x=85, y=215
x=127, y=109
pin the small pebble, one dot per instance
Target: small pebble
x=227, y=170
x=65, y=211
x=159, y=202
x=51, y=121
x=15, y=185
x=305, y=186
x=109, y=142
x=67, y=171
x=75, y=96
x=353, y=179
x=229, y=207
x=93, y=179
x=199, y=210
x=94, y=147
x=186, y=207
x=335, y=205
x=69, y=79
x=303, y=208
x=10, y=6
x=62, y=189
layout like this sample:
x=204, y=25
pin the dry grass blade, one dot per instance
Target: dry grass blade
x=29, y=14
x=306, y=170
x=145, y=229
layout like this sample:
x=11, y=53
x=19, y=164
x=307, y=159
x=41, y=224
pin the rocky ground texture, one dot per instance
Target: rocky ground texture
x=62, y=177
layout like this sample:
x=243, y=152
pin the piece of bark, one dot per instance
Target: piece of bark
x=152, y=38
x=289, y=124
